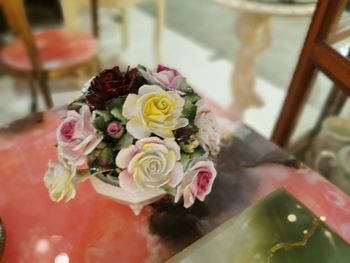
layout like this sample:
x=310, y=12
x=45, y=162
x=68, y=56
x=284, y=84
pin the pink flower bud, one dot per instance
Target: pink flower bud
x=115, y=129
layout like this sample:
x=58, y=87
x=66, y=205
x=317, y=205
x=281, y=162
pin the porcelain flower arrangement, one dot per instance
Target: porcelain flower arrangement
x=140, y=128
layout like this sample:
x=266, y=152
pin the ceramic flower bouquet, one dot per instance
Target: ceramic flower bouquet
x=141, y=129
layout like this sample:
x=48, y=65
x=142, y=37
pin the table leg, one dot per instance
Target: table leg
x=124, y=24
x=94, y=13
x=159, y=27
x=253, y=32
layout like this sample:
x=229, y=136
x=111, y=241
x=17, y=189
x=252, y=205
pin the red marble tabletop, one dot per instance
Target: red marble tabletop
x=92, y=228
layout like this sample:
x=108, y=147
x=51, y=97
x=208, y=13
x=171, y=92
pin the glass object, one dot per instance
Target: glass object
x=315, y=102
x=330, y=151
x=339, y=38
x=322, y=133
x=278, y=229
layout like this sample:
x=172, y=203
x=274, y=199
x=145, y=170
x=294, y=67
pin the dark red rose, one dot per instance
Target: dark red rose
x=109, y=84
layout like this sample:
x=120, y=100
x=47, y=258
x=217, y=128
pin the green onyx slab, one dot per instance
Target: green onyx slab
x=277, y=229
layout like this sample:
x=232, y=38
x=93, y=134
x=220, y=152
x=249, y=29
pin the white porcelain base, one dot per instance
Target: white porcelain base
x=136, y=201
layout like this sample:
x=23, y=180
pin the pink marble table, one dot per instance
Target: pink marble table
x=92, y=228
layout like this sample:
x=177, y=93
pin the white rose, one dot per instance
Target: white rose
x=59, y=181
x=150, y=163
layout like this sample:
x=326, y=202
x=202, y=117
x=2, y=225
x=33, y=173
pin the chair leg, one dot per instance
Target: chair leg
x=44, y=88
x=160, y=15
x=34, y=95
x=124, y=27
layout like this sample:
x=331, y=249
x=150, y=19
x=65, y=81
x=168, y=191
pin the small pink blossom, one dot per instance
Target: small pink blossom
x=77, y=137
x=150, y=163
x=115, y=129
x=165, y=77
x=197, y=182
x=209, y=132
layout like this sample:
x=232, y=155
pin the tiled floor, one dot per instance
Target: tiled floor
x=211, y=77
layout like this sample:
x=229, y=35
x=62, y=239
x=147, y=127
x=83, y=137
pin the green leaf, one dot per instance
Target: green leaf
x=192, y=97
x=189, y=111
x=185, y=87
x=117, y=102
x=76, y=104
x=185, y=159
x=106, y=155
x=100, y=123
x=198, y=153
x=125, y=141
x=116, y=108
x=105, y=114
x=117, y=113
x=169, y=190
x=142, y=67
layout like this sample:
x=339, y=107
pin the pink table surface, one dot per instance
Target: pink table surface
x=92, y=228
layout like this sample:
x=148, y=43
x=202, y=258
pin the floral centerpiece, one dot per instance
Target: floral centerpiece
x=140, y=130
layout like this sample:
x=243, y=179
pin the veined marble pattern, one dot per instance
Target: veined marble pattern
x=92, y=228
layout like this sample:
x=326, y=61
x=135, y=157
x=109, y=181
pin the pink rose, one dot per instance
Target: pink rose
x=115, y=129
x=77, y=137
x=165, y=77
x=150, y=163
x=197, y=182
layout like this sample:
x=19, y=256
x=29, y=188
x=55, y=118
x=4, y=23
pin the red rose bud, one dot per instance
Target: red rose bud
x=115, y=129
x=109, y=84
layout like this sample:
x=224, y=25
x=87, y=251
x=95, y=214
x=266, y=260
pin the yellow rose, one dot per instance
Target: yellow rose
x=59, y=181
x=153, y=110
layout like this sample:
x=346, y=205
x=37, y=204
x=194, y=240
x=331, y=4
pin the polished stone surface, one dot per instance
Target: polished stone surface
x=92, y=228
x=277, y=229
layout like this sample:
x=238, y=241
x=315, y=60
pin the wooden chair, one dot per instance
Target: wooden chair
x=44, y=54
x=71, y=10
x=317, y=55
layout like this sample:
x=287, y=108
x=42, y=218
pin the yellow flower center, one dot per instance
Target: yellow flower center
x=158, y=107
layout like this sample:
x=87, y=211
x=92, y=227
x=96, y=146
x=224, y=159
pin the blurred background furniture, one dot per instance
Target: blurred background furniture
x=71, y=14
x=318, y=55
x=253, y=31
x=46, y=53
x=324, y=147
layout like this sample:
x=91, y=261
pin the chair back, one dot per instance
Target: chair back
x=16, y=19
x=317, y=55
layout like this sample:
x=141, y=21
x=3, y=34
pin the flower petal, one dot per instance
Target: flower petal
x=188, y=198
x=127, y=183
x=164, y=133
x=179, y=193
x=136, y=128
x=92, y=145
x=125, y=155
x=129, y=110
x=145, y=89
x=182, y=122
x=176, y=82
x=172, y=145
x=176, y=175
x=85, y=119
x=144, y=141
